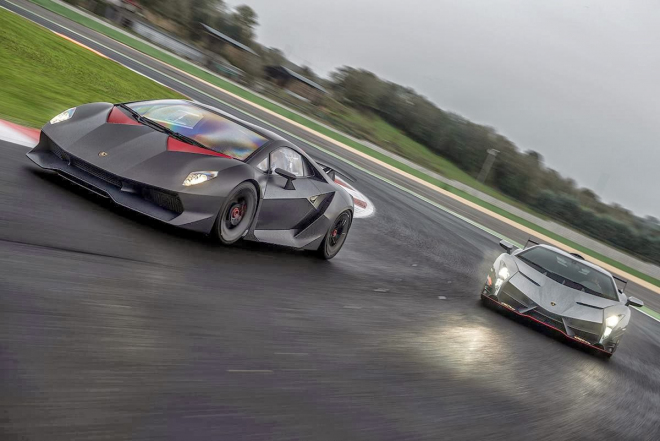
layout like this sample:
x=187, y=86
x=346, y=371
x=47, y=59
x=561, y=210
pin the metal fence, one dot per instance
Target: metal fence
x=170, y=42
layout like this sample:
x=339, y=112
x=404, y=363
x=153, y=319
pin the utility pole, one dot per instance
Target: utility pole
x=488, y=163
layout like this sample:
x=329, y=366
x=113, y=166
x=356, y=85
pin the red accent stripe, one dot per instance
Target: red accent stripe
x=117, y=116
x=174, y=145
x=337, y=181
x=546, y=325
x=26, y=131
x=360, y=203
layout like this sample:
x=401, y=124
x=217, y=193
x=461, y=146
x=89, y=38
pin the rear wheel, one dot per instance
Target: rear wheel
x=236, y=214
x=336, y=236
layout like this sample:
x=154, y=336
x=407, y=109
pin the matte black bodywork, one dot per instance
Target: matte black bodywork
x=578, y=315
x=131, y=165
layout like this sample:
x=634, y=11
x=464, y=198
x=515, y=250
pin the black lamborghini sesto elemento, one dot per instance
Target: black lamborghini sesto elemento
x=196, y=167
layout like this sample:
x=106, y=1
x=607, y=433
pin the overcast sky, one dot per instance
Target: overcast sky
x=576, y=80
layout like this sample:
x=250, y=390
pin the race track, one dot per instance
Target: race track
x=114, y=327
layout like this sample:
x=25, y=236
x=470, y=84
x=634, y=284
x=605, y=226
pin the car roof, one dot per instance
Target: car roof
x=572, y=257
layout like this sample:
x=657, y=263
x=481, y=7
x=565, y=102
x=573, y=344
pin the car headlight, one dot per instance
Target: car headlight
x=612, y=321
x=64, y=116
x=502, y=276
x=610, y=324
x=198, y=177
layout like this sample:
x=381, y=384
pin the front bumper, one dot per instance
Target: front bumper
x=187, y=211
x=535, y=316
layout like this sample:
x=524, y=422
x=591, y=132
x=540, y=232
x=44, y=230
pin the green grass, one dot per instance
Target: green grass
x=406, y=147
x=43, y=74
x=650, y=312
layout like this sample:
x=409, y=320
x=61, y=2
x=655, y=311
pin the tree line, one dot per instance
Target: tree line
x=521, y=175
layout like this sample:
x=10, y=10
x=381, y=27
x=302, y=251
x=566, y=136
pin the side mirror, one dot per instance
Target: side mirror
x=290, y=177
x=507, y=246
x=634, y=301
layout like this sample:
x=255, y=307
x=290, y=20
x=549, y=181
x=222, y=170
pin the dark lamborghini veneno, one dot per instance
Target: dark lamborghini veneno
x=196, y=167
x=562, y=291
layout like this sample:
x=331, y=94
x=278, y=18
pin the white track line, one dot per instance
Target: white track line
x=646, y=314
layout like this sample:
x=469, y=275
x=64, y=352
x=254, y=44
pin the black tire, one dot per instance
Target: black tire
x=236, y=215
x=336, y=236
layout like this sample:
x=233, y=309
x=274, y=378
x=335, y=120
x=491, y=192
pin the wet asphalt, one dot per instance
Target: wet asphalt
x=116, y=327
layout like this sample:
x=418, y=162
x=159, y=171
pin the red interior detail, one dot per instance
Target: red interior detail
x=174, y=145
x=118, y=117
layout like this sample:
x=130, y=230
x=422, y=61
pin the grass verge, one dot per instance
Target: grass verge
x=44, y=74
x=317, y=127
x=650, y=312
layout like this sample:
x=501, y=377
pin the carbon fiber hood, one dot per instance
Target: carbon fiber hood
x=555, y=297
x=134, y=152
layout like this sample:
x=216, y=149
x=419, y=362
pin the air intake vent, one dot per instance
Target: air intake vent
x=165, y=200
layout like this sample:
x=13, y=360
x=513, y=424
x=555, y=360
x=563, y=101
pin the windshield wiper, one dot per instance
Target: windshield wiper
x=184, y=138
x=133, y=113
x=146, y=121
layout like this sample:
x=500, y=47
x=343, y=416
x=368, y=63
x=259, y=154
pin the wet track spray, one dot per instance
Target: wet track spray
x=116, y=327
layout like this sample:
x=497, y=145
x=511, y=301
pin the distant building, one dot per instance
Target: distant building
x=296, y=84
x=130, y=5
x=229, y=57
x=119, y=11
x=225, y=45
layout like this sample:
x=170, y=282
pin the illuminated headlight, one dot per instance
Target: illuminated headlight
x=502, y=276
x=612, y=321
x=607, y=332
x=64, y=116
x=198, y=177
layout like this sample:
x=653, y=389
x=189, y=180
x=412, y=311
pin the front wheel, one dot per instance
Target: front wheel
x=336, y=236
x=236, y=214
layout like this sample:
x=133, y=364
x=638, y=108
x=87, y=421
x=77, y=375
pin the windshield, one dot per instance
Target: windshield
x=208, y=128
x=569, y=272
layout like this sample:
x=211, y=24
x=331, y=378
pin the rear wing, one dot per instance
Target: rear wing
x=533, y=242
x=332, y=174
x=333, y=171
x=624, y=282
